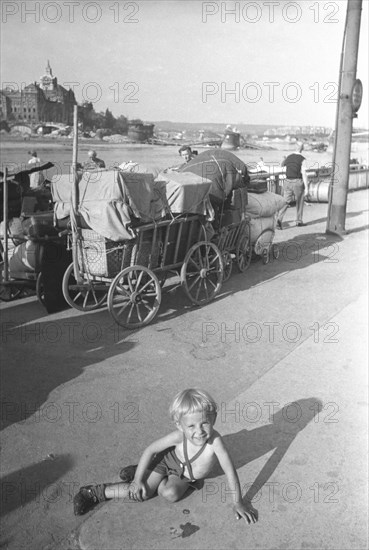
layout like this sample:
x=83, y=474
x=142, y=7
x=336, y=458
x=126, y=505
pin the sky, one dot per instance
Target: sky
x=254, y=62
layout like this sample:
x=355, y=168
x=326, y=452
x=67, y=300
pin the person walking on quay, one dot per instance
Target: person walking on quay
x=171, y=465
x=93, y=161
x=37, y=178
x=295, y=185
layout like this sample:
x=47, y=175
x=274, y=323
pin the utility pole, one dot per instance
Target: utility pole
x=350, y=92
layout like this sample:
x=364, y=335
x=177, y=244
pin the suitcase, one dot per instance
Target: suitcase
x=258, y=186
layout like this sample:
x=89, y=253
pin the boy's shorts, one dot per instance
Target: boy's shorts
x=167, y=463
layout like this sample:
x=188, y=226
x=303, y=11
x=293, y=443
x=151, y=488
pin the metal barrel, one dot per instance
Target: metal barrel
x=318, y=192
x=358, y=178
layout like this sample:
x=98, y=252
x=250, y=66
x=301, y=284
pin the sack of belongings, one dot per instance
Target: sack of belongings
x=225, y=170
x=258, y=225
x=264, y=205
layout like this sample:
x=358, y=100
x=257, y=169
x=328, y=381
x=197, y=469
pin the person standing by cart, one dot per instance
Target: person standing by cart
x=295, y=185
x=93, y=161
x=36, y=178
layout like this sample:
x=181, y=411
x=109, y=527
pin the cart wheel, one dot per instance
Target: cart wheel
x=244, y=250
x=202, y=272
x=275, y=251
x=40, y=290
x=264, y=241
x=134, y=297
x=162, y=277
x=227, y=265
x=265, y=255
x=8, y=292
x=85, y=296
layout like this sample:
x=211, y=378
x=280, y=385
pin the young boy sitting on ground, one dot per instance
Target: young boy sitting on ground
x=189, y=455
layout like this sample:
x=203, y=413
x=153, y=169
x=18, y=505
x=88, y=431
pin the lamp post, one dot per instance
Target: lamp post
x=350, y=93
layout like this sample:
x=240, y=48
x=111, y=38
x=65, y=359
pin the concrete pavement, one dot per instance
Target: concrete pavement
x=294, y=331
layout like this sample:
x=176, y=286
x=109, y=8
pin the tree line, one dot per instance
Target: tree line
x=105, y=122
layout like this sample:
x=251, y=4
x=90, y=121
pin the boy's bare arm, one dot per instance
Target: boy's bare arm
x=225, y=461
x=156, y=447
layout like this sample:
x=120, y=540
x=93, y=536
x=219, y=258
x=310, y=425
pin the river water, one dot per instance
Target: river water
x=154, y=158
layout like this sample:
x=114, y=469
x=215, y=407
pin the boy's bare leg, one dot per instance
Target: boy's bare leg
x=172, y=488
x=117, y=491
x=120, y=491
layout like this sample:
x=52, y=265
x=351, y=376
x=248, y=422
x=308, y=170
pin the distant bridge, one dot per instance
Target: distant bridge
x=29, y=128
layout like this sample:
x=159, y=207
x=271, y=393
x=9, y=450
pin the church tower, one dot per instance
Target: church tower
x=47, y=81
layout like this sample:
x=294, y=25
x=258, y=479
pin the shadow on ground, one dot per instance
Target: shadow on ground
x=36, y=482
x=40, y=356
x=296, y=253
x=248, y=445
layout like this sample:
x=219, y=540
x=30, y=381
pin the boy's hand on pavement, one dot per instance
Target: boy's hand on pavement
x=137, y=491
x=246, y=511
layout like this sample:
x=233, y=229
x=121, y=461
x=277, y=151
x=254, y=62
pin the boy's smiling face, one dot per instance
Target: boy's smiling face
x=197, y=426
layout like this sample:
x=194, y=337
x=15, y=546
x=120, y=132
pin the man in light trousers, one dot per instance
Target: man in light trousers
x=295, y=185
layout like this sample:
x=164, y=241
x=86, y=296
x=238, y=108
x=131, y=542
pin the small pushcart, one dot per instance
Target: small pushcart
x=14, y=284
x=29, y=264
x=28, y=238
x=263, y=245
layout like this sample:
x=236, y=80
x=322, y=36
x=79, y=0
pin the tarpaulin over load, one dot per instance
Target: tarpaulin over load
x=225, y=170
x=109, y=200
x=187, y=193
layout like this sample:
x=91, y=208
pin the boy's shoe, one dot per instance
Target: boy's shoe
x=127, y=474
x=300, y=224
x=279, y=224
x=87, y=498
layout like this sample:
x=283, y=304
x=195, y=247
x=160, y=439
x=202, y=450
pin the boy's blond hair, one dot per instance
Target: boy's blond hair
x=190, y=401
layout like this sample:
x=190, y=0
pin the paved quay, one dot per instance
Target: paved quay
x=283, y=349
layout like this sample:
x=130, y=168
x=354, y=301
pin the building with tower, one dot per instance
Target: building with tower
x=39, y=102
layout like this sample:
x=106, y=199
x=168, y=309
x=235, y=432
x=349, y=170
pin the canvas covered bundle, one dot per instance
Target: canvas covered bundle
x=187, y=193
x=225, y=170
x=110, y=200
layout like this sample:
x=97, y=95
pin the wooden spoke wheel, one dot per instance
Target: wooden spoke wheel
x=40, y=289
x=264, y=241
x=162, y=277
x=84, y=296
x=265, y=256
x=275, y=251
x=202, y=272
x=244, y=250
x=227, y=265
x=134, y=297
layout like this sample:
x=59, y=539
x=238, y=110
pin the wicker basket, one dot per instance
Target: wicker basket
x=103, y=257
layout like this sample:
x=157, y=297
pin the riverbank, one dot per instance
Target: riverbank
x=152, y=157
